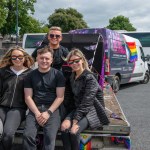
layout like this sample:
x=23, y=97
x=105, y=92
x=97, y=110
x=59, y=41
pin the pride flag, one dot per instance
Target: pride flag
x=87, y=146
x=85, y=142
x=133, y=51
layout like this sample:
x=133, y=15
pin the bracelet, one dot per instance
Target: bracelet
x=49, y=112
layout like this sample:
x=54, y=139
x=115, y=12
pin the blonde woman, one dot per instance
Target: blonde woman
x=14, y=66
x=87, y=92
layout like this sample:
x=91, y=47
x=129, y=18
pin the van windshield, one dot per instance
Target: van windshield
x=33, y=41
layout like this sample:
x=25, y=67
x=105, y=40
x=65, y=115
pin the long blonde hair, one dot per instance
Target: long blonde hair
x=6, y=59
x=77, y=52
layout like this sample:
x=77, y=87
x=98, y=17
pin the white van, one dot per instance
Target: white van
x=124, y=59
x=119, y=68
x=31, y=41
x=141, y=66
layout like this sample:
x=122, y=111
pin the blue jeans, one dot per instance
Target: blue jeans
x=49, y=130
x=11, y=118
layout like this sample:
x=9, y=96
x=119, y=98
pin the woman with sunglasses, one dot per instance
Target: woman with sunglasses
x=88, y=109
x=14, y=66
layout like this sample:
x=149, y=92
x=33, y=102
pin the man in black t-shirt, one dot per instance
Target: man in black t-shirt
x=53, y=39
x=44, y=93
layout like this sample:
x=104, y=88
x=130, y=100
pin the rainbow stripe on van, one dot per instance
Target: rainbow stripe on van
x=133, y=51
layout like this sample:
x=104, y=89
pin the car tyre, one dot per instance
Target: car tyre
x=146, y=78
x=116, y=84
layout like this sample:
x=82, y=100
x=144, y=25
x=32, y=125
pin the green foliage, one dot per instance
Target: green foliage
x=120, y=23
x=32, y=25
x=3, y=12
x=67, y=19
x=24, y=7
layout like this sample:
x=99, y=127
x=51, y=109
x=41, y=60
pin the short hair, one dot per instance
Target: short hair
x=45, y=49
x=55, y=28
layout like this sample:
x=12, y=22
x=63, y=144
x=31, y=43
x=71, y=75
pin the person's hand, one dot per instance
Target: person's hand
x=43, y=118
x=65, y=125
x=74, y=128
x=45, y=115
x=38, y=116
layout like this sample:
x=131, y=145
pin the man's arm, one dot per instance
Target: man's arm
x=59, y=99
x=29, y=101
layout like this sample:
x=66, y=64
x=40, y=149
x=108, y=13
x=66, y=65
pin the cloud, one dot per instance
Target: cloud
x=97, y=13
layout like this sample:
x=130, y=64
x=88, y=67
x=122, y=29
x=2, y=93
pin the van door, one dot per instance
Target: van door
x=139, y=68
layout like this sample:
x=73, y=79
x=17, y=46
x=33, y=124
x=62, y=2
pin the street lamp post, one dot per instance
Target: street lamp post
x=16, y=22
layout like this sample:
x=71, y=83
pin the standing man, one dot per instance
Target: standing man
x=44, y=92
x=53, y=39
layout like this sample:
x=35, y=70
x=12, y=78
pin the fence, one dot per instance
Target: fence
x=6, y=45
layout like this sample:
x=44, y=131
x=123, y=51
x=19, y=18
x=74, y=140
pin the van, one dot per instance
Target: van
x=31, y=41
x=124, y=59
x=121, y=56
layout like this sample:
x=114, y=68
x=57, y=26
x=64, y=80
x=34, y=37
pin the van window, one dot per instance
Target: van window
x=142, y=54
x=127, y=52
x=33, y=41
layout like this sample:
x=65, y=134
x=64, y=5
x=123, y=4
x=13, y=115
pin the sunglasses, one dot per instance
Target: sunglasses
x=17, y=57
x=75, y=61
x=55, y=36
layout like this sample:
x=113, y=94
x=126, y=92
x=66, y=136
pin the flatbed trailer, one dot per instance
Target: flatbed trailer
x=116, y=135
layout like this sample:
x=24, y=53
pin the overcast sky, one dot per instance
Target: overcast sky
x=97, y=13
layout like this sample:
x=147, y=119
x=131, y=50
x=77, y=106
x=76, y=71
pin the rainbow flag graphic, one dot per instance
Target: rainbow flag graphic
x=133, y=51
x=87, y=146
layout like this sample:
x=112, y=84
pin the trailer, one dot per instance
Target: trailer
x=116, y=135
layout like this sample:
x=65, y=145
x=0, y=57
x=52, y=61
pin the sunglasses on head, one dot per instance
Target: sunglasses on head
x=54, y=35
x=16, y=57
x=75, y=61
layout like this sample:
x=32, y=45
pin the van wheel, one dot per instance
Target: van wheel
x=146, y=78
x=116, y=84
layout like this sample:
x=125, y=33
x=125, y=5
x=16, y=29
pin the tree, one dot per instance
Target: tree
x=120, y=23
x=31, y=25
x=67, y=19
x=24, y=7
x=3, y=12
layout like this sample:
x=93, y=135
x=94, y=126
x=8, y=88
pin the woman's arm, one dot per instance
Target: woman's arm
x=91, y=88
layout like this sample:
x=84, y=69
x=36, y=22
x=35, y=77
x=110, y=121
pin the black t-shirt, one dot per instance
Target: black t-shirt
x=44, y=85
x=57, y=58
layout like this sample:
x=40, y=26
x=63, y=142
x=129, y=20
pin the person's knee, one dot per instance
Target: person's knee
x=8, y=136
x=27, y=135
x=66, y=124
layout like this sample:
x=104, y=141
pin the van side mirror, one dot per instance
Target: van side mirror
x=143, y=58
x=147, y=58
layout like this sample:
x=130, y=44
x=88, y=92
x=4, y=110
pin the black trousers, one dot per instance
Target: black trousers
x=72, y=141
x=11, y=118
x=49, y=131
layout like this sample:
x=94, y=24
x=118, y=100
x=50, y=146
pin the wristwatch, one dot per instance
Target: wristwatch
x=49, y=112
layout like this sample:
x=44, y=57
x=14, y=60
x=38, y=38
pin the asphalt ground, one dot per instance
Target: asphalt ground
x=134, y=99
